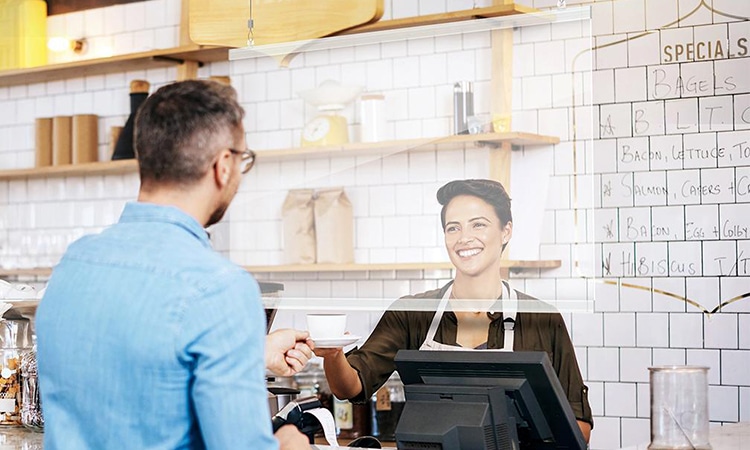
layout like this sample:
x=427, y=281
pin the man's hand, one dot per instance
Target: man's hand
x=287, y=351
x=290, y=438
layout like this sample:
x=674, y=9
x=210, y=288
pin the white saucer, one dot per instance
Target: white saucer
x=336, y=342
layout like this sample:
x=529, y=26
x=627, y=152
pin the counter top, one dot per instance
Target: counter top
x=727, y=437
x=733, y=436
x=12, y=438
x=18, y=438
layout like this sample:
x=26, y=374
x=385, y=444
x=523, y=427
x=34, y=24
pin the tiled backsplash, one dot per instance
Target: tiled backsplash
x=638, y=203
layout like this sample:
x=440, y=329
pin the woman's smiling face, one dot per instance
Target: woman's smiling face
x=474, y=235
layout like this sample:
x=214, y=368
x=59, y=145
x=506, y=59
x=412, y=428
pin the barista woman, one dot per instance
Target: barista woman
x=477, y=223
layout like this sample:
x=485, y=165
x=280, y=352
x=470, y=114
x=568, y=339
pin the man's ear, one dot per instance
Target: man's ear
x=222, y=169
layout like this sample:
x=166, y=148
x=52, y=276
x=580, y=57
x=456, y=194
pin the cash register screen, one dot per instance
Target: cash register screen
x=483, y=400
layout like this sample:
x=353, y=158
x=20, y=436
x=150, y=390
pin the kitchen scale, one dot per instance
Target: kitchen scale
x=328, y=128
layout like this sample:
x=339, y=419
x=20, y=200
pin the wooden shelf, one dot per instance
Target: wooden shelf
x=35, y=272
x=121, y=63
x=72, y=170
x=446, y=17
x=205, y=54
x=515, y=265
x=291, y=268
x=407, y=145
x=354, y=149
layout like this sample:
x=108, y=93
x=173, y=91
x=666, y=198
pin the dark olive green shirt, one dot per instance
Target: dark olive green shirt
x=398, y=330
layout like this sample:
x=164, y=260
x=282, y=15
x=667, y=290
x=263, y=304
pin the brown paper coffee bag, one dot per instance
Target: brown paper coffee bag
x=334, y=227
x=299, y=227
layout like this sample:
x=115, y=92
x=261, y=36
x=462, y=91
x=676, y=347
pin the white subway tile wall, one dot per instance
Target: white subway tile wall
x=670, y=125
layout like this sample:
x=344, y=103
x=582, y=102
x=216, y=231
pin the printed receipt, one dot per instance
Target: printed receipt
x=326, y=420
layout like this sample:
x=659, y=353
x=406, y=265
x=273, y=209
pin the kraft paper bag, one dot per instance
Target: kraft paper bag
x=334, y=227
x=62, y=144
x=299, y=227
x=85, y=136
x=43, y=141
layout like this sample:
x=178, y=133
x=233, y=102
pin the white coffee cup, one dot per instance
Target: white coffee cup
x=326, y=326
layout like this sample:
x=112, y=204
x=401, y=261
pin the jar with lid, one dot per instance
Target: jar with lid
x=15, y=339
x=386, y=406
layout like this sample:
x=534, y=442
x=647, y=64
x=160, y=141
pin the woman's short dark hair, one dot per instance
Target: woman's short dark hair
x=490, y=191
x=175, y=126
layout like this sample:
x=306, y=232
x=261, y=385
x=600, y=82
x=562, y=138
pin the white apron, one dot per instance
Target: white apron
x=510, y=307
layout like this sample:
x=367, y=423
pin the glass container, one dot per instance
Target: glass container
x=15, y=339
x=31, y=400
x=679, y=407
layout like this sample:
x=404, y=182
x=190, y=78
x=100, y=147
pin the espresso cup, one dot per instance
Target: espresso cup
x=326, y=326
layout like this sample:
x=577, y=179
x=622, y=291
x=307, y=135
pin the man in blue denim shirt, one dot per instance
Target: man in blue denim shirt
x=147, y=338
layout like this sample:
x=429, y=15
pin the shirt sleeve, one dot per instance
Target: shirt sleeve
x=568, y=372
x=224, y=342
x=374, y=360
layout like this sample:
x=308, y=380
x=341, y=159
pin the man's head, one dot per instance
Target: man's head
x=188, y=136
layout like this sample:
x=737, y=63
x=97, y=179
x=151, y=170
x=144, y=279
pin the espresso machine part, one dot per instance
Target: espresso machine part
x=280, y=396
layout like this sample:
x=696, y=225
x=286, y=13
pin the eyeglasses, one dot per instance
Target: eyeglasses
x=248, y=159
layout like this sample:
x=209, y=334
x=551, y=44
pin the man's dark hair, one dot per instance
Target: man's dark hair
x=490, y=191
x=175, y=126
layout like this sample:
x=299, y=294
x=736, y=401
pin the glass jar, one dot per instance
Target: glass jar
x=679, y=407
x=386, y=406
x=352, y=420
x=31, y=400
x=14, y=340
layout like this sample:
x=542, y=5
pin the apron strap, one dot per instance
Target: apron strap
x=510, y=308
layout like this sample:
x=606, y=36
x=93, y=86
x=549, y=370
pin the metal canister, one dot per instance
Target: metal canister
x=463, y=106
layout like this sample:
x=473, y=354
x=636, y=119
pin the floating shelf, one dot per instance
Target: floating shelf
x=291, y=268
x=35, y=272
x=121, y=63
x=515, y=265
x=446, y=17
x=206, y=54
x=451, y=142
x=354, y=149
x=72, y=170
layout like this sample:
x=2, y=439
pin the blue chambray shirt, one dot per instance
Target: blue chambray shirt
x=149, y=339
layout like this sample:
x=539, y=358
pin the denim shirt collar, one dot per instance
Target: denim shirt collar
x=150, y=212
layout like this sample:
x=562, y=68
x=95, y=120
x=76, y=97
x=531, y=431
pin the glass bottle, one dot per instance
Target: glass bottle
x=352, y=420
x=31, y=400
x=124, y=148
x=14, y=340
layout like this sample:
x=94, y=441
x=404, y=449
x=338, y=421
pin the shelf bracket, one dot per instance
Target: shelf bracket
x=490, y=144
x=178, y=61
